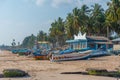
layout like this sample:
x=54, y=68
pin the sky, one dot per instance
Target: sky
x=21, y=18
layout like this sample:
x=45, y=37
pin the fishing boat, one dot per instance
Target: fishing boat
x=66, y=51
x=40, y=57
x=99, y=53
x=71, y=56
x=41, y=50
x=21, y=51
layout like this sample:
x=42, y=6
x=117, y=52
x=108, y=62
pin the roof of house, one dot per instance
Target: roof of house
x=97, y=37
x=117, y=39
x=104, y=42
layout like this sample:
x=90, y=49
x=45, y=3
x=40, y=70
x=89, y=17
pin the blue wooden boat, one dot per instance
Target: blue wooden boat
x=40, y=54
x=67, y=51
x=21, y=51
x=71, y=56
x=115, y=52
x=99, y=53
x=14, y=51
x=41, y=50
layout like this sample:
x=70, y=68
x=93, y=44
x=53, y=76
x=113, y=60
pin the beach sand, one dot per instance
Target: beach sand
x=46, y=70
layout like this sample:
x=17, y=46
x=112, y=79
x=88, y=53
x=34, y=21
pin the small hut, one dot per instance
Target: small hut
x=99, y=42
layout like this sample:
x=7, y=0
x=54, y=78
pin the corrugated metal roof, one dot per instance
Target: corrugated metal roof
x=97, y=37
x=103, y=42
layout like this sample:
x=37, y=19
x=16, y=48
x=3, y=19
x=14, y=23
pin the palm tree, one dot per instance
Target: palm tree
x=73, y=23
x=57, y=31
x=69, y=26
x=76, y=19
x=42, y=36
x=13, y=43
x=99, y=18
x=113, y=13
x=85, y=19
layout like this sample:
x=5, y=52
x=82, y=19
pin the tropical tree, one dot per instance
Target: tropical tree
x=57, y=31
x=42, y=36
x=113, y=15
x=85, y=19
x=13, y=43
x=29, y=41
x=98, y=18
x=69, y=26
x=113, y=11
x=73, y=23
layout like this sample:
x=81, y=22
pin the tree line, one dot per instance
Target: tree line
x=92, y=20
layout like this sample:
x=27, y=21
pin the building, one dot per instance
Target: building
x=99, y=42
x=79, y=42
x=90, y=42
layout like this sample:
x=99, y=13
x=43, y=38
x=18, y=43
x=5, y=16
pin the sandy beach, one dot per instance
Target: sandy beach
x=46, y=70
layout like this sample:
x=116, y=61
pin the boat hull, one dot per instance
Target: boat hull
x=98, y=53
x=71, y=56
x=42, y=57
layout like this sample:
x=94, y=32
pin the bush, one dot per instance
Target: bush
x=103, y=72
x=21, y=53
x=93, y=71
x=14, y=73
x=113, y=74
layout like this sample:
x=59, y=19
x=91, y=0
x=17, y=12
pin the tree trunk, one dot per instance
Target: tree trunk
x=107, y=31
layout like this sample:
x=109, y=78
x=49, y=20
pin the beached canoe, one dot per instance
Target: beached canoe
x=38, y=55
x=98, y=53
x=71, y=56
x=67, y=51
x=41, y=57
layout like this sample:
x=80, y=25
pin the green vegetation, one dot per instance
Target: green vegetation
x=57, y=31
x=29, y=41
x=92, y=71
x=14, y=73
x=97, y=72
x=103, y=72
x=93, y=20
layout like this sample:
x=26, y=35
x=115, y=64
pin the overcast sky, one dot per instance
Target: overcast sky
x=21, y=18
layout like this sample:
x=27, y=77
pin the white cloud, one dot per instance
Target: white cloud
x=40, y=2
x=57, y=3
